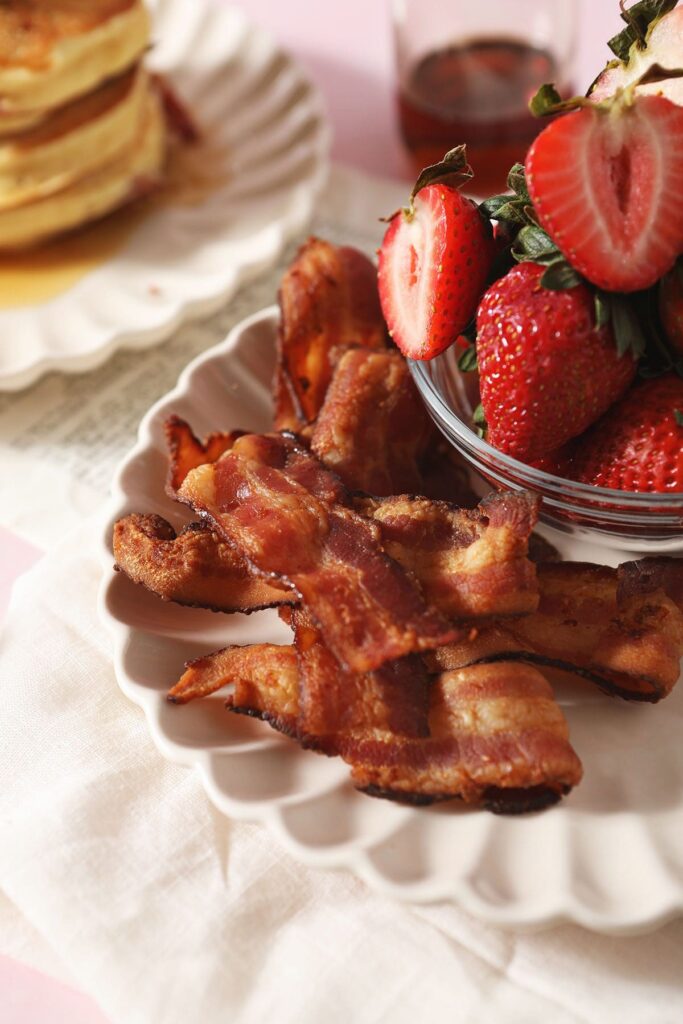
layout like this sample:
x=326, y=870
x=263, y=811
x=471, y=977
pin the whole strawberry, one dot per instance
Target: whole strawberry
x=671, y=307
x=638, y=445
x=434, y=262
x=546, y=371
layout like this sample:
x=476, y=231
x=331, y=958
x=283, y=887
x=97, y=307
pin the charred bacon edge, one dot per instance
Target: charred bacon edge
x=600, y=679
x=496, y=799
x=159, y=531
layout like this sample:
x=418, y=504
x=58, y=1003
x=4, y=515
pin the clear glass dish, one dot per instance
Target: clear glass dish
x=618, y=520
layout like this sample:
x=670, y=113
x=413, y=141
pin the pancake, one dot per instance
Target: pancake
x=132, y=173
x=52, y=51
x=73, y=142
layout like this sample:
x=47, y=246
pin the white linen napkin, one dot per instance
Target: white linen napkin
x=166, y=912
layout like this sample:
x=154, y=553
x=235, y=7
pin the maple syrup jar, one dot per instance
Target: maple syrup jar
x=467, y=70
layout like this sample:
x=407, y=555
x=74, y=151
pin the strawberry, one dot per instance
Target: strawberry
x=653, y=41
x=556, y=462
x=434, y=262
x=605, y=182
x=638, y=445
x=546, y=371
x=671, y=307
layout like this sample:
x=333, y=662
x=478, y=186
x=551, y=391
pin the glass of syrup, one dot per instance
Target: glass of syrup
x=467, y=70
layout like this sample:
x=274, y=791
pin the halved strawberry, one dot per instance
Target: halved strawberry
x=605, y=182
x=434, y=262
x=643, y=46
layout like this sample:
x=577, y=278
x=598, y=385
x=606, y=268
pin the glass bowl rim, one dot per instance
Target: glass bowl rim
x=536, y=479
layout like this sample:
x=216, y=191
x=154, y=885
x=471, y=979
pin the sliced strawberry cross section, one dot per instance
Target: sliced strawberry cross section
x=606, y=183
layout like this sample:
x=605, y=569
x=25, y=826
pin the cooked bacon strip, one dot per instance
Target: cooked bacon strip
x=332, y=700
x=186, y=451
x=193, y=568
x=373, y=427
x=541, y=550
x=328, y=302
x=650, y=575
x=498, y=738
x=469, y=563
x=626, y=638
x=266, y=675
x=278, y=506
x=446, y=549
x=285, y=411
x=444, y=475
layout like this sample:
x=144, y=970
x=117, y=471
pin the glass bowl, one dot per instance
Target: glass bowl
x=575, y=515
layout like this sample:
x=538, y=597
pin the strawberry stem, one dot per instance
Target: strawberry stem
x=453, y=170
x=639, y=19
x=548, y=101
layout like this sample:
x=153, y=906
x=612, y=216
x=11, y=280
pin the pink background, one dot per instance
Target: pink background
x=347, y=50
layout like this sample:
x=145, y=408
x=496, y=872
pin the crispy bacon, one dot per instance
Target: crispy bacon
x=650, y=576
x=444, y=475
x=279, y=507
x=186, y=451
x=615, y=628
x=470, y=563
x=328, y=302
x=193, y=568
x=266, y=675
x=332, y=700
x=497, y=736
x=467, y=566
x=373, y=428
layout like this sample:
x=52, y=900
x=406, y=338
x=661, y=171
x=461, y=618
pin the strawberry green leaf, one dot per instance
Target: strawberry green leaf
x=514, y=210
x=639, y=20
x=479, y=420
x=560, y=276
x=517, y=182
x=658, y=357
x=470, y=332
x=628, y=331
x=467, y=361
x=548, y=101
x=505, y=209
x=453, y=169
x=534, y=245
x=678, y=416
x=603, y=313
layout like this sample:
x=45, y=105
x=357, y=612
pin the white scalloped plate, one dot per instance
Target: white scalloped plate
x=254, y=104
x=609, y=857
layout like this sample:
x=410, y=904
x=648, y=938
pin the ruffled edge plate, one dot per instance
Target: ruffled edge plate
x=608, y=857
x=256, y=105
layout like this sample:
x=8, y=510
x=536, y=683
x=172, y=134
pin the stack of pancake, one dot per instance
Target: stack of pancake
x=82, y=128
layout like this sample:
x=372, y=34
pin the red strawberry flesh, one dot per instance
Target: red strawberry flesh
x=605, y=185
x=433, y=266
